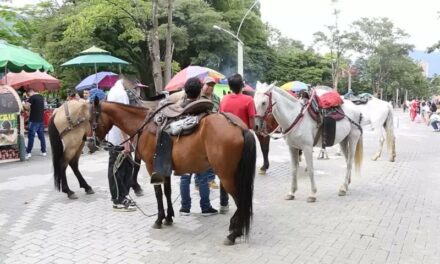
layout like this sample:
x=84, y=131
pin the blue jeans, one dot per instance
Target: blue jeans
x=210, y=174
x=435, y=124
x=36, y=127
x=185, y=181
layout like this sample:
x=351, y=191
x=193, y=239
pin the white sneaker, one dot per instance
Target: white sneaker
x=28, y=155
x=44, y=154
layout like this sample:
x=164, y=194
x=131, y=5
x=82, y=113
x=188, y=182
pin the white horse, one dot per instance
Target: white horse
x=379, y=115
x=300, y=130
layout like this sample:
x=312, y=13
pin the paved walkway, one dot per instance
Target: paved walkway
x=390, y=215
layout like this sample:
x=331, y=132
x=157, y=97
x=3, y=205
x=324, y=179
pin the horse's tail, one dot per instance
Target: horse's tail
x=389, y=128
x=244, y=182
x=359, y=155
x=57, y=152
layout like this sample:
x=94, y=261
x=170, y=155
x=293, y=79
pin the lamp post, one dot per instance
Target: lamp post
x=239, y=42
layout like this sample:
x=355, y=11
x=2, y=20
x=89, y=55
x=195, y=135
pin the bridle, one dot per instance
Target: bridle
x=294, y=124
x=263, y=118
x=94, y=121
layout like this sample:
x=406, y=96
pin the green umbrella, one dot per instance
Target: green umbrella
x=94, y=56
x=16, y=59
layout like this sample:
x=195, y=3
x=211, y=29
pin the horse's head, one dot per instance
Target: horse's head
x=263, y=104
x=100, y=123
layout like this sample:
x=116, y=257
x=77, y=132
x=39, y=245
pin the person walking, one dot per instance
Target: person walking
x=35, y=104
x=119, y=166
x=193, y=89
x=243, y=107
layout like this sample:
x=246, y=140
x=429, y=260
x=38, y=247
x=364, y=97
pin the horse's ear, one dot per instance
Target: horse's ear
x=96, y=101
x=258, y=86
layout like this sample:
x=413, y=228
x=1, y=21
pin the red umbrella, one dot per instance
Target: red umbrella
x=38, y=81
x=180, y=78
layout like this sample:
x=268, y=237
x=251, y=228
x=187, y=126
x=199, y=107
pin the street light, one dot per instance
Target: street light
x=240, y=43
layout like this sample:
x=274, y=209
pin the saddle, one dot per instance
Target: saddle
x=326, y=119
x=360, y=99
x=174, y=120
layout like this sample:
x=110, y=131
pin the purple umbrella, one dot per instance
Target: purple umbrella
x=101, y=79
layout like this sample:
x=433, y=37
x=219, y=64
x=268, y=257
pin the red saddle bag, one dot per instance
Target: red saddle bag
x=329, y=100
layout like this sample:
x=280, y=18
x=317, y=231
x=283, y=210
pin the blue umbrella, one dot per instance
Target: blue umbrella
x=100, y=79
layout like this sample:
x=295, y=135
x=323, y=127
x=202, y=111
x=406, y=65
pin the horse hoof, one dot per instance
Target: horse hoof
x=90, y=191
x=311, y=199
x=228, y=242
x=289, y=197
x=168, y=222
x=72, y=196
x=262, y=172
x=139, y=192
x=342, y=193
x=156, y=226
x=392, y=160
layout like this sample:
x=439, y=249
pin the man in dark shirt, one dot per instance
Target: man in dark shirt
x=35, y=104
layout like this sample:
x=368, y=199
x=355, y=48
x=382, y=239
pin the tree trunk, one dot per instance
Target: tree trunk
x=154, y=47
x=169, y=45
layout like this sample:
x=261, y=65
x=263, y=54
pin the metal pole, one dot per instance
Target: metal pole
x=240, y=58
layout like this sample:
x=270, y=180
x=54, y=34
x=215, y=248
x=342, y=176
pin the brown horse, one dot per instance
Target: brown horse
x=220, y=142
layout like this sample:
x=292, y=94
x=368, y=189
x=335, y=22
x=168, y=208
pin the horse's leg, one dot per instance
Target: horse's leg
x=74, y=165
x=64, y=186
x=264, y=145
x=323, y=154
x=161, y=212
x=136, y=167
x=380, y=133
x=170, y=210
x=348, y=146
x=309, y=161
x=294, y=157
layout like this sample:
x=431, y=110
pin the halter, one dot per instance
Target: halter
x=295, y=122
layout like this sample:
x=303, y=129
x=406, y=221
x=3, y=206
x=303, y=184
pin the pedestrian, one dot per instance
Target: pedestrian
x=35, y=104
x=434, y=120
x=208, y=93
x=243, y=107
x=193, y=89
x=119, y=166
x=413, y=109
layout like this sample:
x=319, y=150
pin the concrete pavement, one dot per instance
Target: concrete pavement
x=390, y=215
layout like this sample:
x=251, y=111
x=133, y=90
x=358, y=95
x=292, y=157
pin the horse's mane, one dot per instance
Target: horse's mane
x=285, y=94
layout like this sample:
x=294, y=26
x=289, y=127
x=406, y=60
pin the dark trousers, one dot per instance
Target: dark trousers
x=119, y=181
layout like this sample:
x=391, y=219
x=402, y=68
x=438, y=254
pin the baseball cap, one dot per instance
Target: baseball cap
x=209, y=80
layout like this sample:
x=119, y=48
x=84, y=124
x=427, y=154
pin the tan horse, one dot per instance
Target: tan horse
x=219, y=142
x=67, y=141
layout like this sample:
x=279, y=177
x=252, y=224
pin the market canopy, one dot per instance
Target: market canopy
x=38, y=81
x=16, y=59
x=94, y=56
x=181, y=77
x=101, y=80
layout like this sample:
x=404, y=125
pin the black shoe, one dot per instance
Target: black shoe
x=184, y=212
x=139, y=192
x=125, y=205
x=210, y=211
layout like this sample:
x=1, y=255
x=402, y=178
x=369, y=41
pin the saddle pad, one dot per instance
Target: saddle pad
x=330, y=99
x=193, y=108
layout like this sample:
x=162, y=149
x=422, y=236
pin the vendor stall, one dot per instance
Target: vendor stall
x=11, y=125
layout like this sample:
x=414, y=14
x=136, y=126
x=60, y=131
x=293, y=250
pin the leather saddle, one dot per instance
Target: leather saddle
x=193, y=108
x=358, y=100
x=326, y=119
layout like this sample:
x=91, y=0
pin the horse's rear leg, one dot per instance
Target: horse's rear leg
x=161, y=212
x=294, y=157
x=170, y=210
x=349, y=147
x=264, y=145
x=82, y=182
x=381, y=134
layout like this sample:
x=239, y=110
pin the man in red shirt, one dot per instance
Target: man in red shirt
x=237, y=103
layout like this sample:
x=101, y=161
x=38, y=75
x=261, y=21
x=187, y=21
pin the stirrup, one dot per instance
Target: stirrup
x=157, y=179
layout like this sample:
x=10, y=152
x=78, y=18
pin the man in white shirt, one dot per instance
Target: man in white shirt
x=119, y=180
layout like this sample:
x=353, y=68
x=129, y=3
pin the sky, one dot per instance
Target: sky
x=299, y=19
